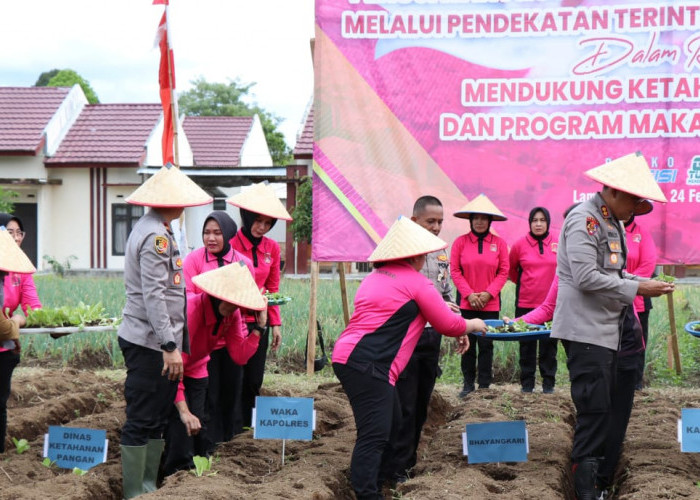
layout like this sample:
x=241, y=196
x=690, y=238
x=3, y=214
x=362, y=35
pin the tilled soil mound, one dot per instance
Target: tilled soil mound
x=651, y=467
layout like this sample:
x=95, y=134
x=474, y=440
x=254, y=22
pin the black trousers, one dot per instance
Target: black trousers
x=485, y=354
x=622, y=402
x=592, y=376
x=8, y=361
x=223, y=398
x=179, y=447
x=528, y=358
x=414, y=388
x=641, y=361
x=375, y=406
x=253, y=373
x=149, y=395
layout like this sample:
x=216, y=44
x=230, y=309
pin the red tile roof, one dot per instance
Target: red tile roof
x=108, y=135
x=216, y=141
x=24, y=113
x=304, y=148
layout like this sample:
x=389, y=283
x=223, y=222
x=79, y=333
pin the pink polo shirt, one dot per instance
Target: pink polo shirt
x=474, y=272
x=19, y=290
x=267, y=274
x=531, y=270
x=392, y=306
x=641, y=256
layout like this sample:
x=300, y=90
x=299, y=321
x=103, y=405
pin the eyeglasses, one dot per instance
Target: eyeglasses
x=17, y=233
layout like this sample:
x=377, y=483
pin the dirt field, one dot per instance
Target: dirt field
x=651, y=467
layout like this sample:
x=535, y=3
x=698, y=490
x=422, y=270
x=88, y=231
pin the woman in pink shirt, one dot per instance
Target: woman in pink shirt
x=260, y=209
x=392, y=306
x=216, y=329
x=19, y=291
x=533, y=264
x=479, y=270
x=641, y=261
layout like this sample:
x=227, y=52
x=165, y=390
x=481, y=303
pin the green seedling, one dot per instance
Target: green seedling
x=202, y=466
x=21, y=445
x=79, y=472
x=665, y=277
x=48, y=463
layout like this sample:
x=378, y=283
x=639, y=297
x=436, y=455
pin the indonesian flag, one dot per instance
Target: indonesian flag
x=166, y=78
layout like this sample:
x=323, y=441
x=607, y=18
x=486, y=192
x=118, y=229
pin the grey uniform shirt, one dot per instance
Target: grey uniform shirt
x=437, y=270
x=154, y=313
x=593, y=286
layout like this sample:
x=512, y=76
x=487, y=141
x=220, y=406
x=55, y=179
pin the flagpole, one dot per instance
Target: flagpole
x=173, y=100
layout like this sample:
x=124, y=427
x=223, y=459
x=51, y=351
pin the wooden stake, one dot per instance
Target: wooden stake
x=344, y=292
x=673, y=356
x=311, y=338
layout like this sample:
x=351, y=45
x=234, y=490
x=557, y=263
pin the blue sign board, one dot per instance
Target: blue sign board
x=284, y=418
x=72, y=447
x=496, y=442
x=689, y=431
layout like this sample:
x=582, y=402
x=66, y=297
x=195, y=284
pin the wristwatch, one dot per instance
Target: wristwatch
x=169, y=346
x=258, y=328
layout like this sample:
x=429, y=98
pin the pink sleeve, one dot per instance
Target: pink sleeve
x=647, y=256
x=514, y=262
x=456, y=269
x=545, y=312
x=272, y=284
x=499, y=281
x=433, y=308
x=239, y=344
x=29, y=297
x=180, y=395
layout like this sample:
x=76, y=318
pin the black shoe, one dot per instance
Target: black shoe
x=526, y=388
x=466, y=390
x=484, y=386
x=585, y=474
x=547, y=390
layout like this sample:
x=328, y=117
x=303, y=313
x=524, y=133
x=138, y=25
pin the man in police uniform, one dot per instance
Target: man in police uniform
x=594, y=291
x=415, y=384
x=153, y=329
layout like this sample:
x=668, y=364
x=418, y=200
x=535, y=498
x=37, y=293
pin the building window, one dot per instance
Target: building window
x=124, y=216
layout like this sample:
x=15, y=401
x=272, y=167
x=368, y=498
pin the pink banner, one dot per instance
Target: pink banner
x=514, y=99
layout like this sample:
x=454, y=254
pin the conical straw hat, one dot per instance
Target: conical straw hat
x=261, y=199
x=169, y=187
x=630, y=174
x=405, y=239
x=480, y=205
x=232, y=283
x=12, y=258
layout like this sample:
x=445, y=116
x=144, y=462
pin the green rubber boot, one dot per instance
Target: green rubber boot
x=133, y=463
x=153, y=454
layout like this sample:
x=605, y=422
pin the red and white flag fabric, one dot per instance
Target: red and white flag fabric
x=166, y=78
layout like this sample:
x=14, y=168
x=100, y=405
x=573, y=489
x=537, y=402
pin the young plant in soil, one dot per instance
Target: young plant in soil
x=21, y=445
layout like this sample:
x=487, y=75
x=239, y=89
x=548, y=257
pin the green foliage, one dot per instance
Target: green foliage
x=665, y=277
x=45, y=77
x=21, y=445
x=48, y=463
x=203, y=465
x=6, y=197
x=227, y=99
x=79, y=472
x=59, y=267
x=68, y=78
x=80, y=315
x=302, y=212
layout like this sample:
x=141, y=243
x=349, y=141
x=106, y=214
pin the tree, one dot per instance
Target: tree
x=68, y=78
x=226, y=99
x=44, y=78
x=301, y=225
x=6, y=197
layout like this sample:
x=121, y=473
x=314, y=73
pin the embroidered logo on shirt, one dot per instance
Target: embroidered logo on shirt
x=592, y=225
x=613, y=258
x=637, y=238
x=555, y=245
x=161, y=244
x=615, y=246
x=177, y=278
x=604, y=210
x=268, y=258
x=442, y=258
x=494, y=247
x=178, y=262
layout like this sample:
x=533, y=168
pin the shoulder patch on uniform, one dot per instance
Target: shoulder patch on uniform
x=442, y=257
x=592, y=225
x=604, y=210
x=161, y=244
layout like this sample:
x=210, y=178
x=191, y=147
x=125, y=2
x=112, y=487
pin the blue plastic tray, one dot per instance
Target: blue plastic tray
x=543, y=333
x=689, y=328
